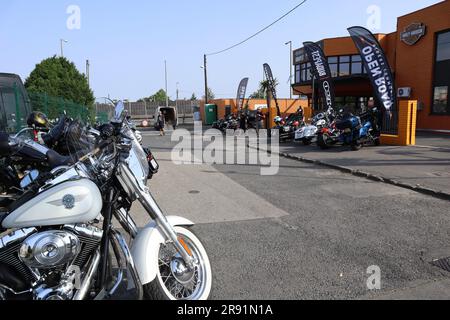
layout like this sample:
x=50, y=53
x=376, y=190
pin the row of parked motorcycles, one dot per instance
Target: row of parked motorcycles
x=63, y=192
x=326, y=129
x=332, y=128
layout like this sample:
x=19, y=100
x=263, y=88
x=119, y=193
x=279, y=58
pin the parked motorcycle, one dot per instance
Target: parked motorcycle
x=61, y=230
x=308, y=133
x=55, y=142
x=229, y=123
x=287, y=127
x=330, y=135
x=358, y=131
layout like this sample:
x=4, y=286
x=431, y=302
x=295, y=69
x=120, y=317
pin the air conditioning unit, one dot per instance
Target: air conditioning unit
x=404, y=92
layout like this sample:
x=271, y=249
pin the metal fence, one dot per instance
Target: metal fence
x=54, y=107
x=147, y=110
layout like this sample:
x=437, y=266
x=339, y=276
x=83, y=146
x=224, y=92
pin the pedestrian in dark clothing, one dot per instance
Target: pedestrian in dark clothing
x=243, y=121
x=161, y=123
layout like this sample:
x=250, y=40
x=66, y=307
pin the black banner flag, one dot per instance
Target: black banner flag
x=271, y=80
x=241, y=94
x=377, y=66
x=321, y=70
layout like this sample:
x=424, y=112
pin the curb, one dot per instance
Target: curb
x=362, y=174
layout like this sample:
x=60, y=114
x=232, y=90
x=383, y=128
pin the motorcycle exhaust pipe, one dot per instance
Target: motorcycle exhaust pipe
x=87, y=281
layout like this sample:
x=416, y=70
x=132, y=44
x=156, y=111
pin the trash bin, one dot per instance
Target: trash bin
x=210, y=114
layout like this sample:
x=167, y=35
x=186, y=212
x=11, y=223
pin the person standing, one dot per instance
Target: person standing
x=161, y=123
x=243, y=121
x=260, y=117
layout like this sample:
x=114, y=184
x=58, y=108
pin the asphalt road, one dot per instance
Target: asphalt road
x=308, y=232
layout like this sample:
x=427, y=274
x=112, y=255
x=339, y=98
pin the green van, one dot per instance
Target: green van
x=14, y=103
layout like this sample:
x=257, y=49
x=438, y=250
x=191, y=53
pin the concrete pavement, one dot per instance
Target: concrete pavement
x=426, y=165
x=308, y=232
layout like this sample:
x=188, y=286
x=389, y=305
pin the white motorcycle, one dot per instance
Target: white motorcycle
x=308, y=134
x=61, y=241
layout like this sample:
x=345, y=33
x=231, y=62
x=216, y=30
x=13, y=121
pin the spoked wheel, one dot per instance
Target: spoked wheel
x=175, y=280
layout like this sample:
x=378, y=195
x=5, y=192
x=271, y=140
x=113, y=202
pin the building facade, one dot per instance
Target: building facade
x=419, y=54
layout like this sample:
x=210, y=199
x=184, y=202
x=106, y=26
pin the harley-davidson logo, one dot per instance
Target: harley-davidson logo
x=68, y=201
x=413, y=33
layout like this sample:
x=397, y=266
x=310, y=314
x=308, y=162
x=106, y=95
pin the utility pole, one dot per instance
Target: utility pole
x=206, y=80
x=290, y=68
x=167, y=95
x=87, y=71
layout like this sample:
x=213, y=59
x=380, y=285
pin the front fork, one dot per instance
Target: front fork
x=143, y=195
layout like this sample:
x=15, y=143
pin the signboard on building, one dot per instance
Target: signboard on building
x=413, y=33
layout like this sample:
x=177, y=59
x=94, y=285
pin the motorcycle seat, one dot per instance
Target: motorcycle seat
x=5, y=149
x=56, y=160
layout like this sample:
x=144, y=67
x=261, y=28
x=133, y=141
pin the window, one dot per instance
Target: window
x=440, y=101
x=357, y=67
x=297, y=73
x=340, y=67
x=443, y=47
x=344, y=66
x=299, y=56
x=333, y=62
x=308, y=72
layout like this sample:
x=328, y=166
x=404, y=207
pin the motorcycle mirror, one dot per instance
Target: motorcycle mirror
x=29, y=178
x=119, y=110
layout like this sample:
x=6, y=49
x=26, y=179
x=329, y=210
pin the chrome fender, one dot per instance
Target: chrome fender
x=145, y=248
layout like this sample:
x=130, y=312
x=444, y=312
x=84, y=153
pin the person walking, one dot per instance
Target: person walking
x=161, y=123
x=260, y=117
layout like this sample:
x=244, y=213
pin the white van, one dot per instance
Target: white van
x=170, y=115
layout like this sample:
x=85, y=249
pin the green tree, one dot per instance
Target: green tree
x=262, y=91
x=211, y=95
x=55, y=85
x=159, y=96
x=193, y=97
x=58, y=77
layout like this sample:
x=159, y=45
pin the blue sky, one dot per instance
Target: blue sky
x=128, y=41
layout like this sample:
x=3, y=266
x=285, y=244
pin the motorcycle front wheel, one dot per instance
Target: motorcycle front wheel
x=174, y=280
x=356, y=146
x=322, y=141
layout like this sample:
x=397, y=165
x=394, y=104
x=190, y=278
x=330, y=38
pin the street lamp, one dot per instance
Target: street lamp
x=290, y=67
x=62, y=41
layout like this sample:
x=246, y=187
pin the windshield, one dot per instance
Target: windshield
x=77, y=142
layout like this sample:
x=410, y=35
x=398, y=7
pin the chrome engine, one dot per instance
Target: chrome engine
x=51, y=261
x=49, y=249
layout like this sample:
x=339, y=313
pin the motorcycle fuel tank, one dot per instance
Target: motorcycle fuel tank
x=70, y=202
